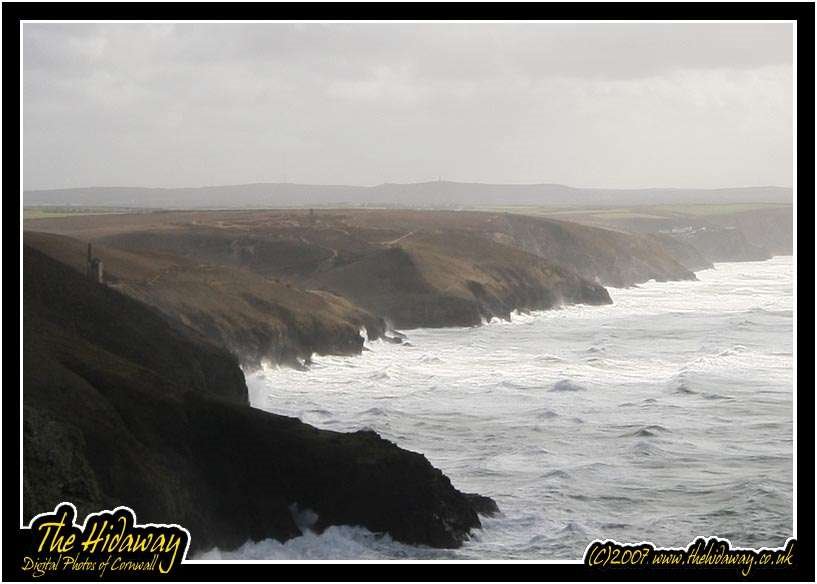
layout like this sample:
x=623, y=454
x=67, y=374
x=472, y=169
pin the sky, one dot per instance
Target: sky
x=589, y=105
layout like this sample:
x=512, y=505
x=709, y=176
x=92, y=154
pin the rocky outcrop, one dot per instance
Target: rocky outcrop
x=123, y=407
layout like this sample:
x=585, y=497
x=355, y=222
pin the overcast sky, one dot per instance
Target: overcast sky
x=606, y=105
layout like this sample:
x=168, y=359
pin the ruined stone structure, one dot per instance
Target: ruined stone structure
x=93, y=268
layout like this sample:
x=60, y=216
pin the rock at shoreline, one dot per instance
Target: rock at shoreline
x=483, y=505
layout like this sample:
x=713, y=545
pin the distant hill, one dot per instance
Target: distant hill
x=440, y=194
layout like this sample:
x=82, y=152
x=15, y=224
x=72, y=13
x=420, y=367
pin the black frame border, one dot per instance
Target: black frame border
x=802, y=12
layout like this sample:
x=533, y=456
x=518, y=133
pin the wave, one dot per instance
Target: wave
x=547, y=414
x=736, y=349
x=549, y=359
x=482, y=403
x=338, y=542
x=375, y=411
x=567, y=385
x=647, y=449
x=515, y=385
x=716, y=396
x=573, y=527
x=321, y=412
x=557, y=474
x=648, y=431
x=341, y=542
x=642, y=433
x=684, y=389
x=773, y=312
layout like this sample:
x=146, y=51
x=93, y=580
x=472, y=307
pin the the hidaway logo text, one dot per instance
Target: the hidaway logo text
x=109, y=543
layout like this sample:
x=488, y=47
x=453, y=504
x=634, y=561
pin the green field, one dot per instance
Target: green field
x=635, y=212
x=703, y=210
x=54, y=212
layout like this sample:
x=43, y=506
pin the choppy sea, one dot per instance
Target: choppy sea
x=664, y=416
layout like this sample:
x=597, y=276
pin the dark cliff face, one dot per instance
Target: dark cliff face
x=122, y=407
x=60, y=301
x=273, y=462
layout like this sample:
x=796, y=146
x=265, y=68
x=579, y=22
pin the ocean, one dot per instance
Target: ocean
x=664, y=416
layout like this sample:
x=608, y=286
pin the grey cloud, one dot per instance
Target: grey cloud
x=622, y=105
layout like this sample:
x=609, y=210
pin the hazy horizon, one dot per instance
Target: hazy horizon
x=408, y=183
x=602, y=106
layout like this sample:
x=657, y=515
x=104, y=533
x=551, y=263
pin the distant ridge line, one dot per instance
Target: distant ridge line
x=430, y=193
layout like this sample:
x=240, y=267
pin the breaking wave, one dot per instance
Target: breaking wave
x=674, y=402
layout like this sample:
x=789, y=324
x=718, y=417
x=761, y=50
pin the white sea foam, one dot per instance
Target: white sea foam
x=336, y=543
x=708, y=362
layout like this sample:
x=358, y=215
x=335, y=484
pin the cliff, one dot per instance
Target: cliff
x=609, y=257
x=698, y=235
x=684, y=252
x=722, y=244
x=770, y=228
x=455, y=279
x=410, y=268
x=257, y=319
x=122, y=407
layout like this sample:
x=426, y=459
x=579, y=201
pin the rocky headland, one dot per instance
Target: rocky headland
x=121, y=406
x=701, y=234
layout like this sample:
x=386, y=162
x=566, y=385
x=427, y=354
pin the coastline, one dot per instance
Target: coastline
x=152, y=417
x=431, y=387
x=238, y=305
x=404, y=335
